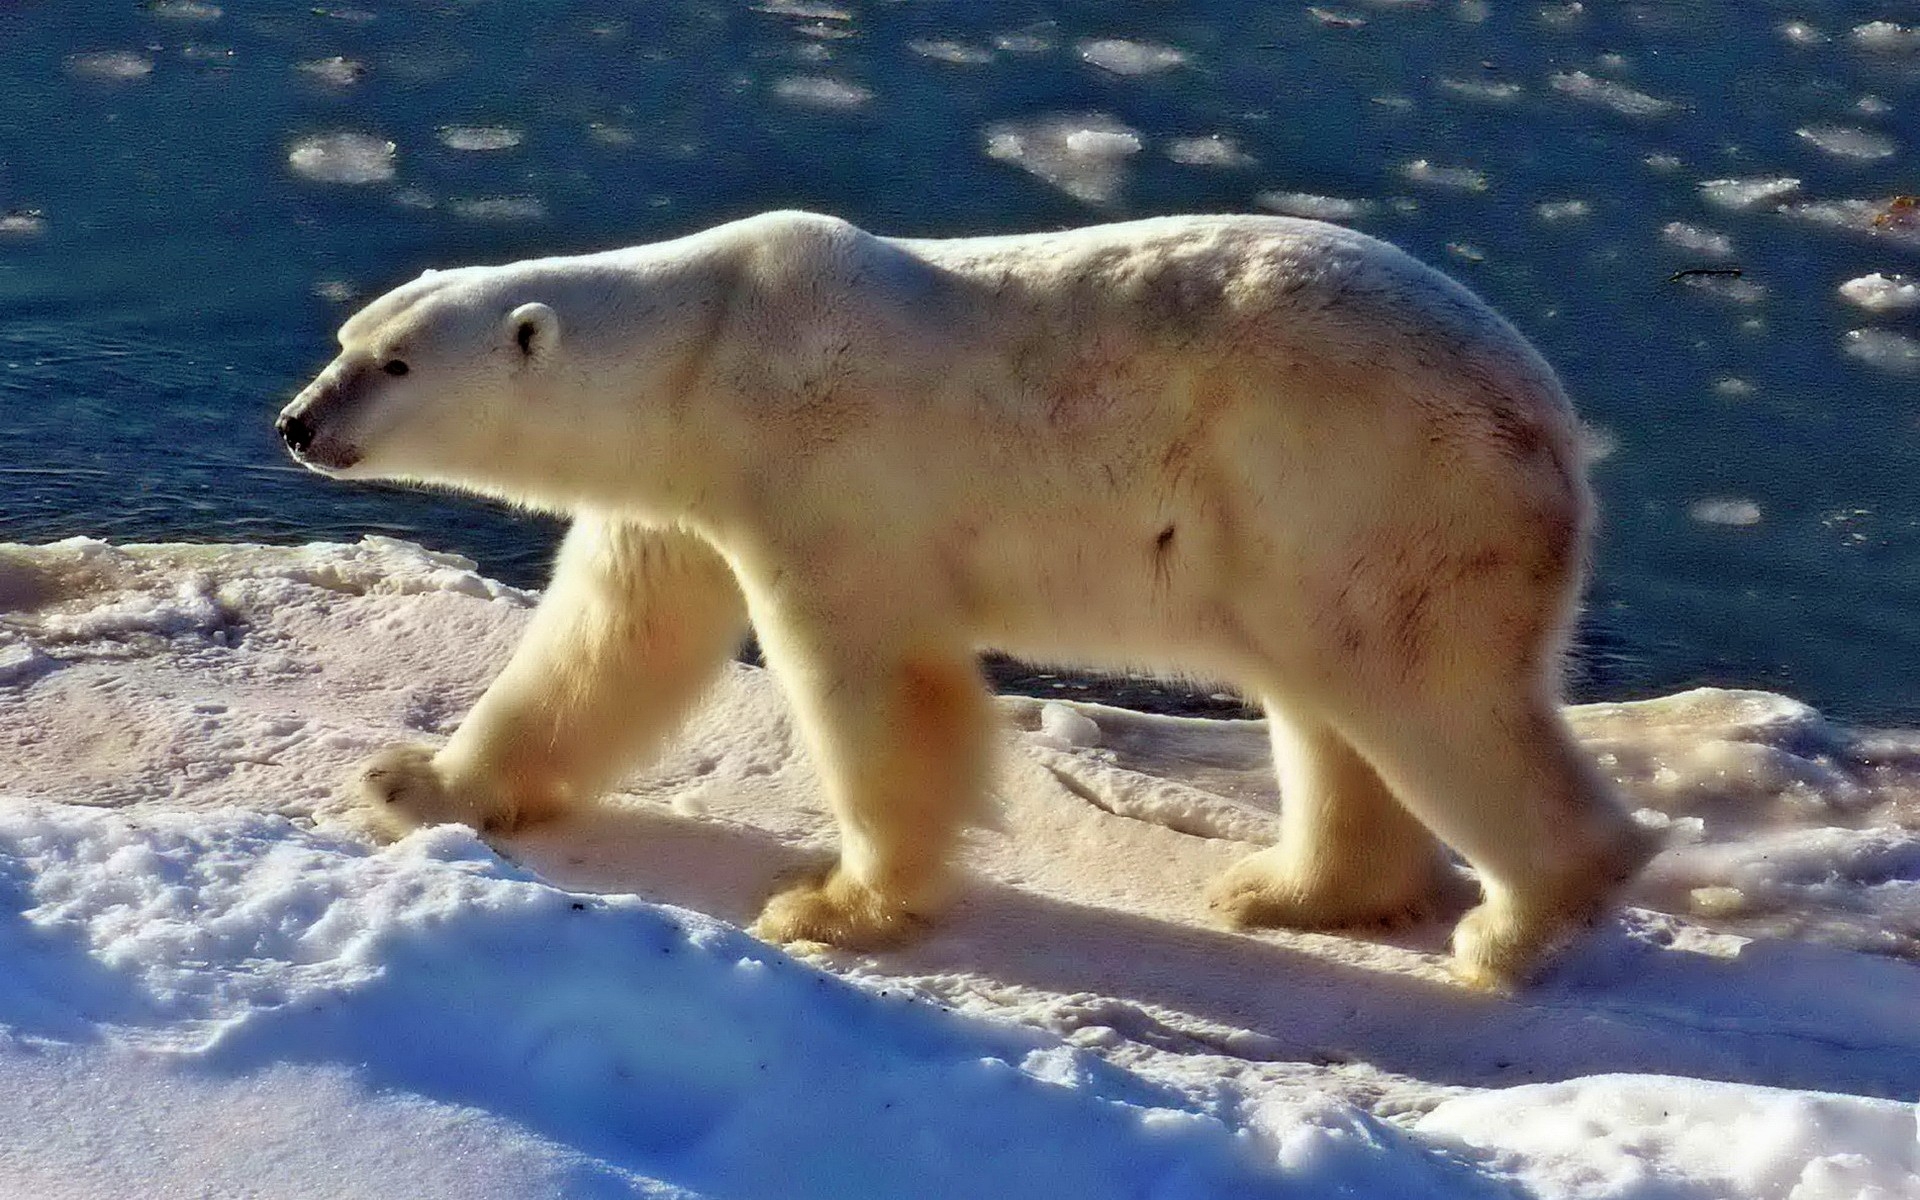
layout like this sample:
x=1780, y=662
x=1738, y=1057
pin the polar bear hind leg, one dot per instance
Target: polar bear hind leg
x=1498, y=777
x=1349, y=853
x=637, y=623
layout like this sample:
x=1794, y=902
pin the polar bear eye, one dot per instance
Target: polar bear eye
x=395, y=366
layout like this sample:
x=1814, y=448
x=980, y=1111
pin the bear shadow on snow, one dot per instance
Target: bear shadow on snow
x=1768, y=1016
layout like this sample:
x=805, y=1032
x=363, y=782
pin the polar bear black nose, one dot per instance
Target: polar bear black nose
x=296, y=432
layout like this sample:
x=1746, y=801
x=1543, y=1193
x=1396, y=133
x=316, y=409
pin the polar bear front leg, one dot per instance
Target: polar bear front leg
x=902, y=743
x=636, y=624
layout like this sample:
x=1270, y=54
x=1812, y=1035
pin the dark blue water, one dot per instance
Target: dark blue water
x=167, y=278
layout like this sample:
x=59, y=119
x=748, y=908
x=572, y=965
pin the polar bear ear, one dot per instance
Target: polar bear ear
x=535, y=330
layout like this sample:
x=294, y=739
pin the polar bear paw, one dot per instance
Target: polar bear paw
x=1501, y=945
x=837, y=910
x=1265, y=890
x=402, y=788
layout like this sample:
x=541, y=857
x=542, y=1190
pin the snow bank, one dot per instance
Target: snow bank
x=656, y=1044
x=1621, y=1136
x=213, y=982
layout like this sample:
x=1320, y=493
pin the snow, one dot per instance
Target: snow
x=1637, y=1136
x=216, y=985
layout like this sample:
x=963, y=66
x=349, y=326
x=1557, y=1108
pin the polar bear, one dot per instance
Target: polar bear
x=1271, y=452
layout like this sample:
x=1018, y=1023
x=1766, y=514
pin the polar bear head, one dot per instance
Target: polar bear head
x=442, y=380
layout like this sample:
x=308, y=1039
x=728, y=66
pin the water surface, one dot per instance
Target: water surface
x=193, y=195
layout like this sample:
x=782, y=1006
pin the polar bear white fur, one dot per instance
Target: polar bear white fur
x=1267, y=451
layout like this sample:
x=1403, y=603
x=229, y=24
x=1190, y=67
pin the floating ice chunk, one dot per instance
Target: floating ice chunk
x=611, y=135
x=1123, y=57
x=1884, y=348
x=1733, y=387
x=338, y=71
x=1466, y=252
x=1879, y=293
x=184, y=10
x=1213, y=150
x=336, y=291
x=1024, y=42
x=1335, y=19
x=1663, y=163
x=1723, y=511
x=806, y=10
x=821, y=92
x=1897, y=219
x=343, y=158
x=480, y=137
x=1597, y=443
x=1555, y=212
x=1745, y=193
x=1083, y=156
x=117, y=66
x=1314, y=207
x=1562, y=14
x=1886, y=36
x=1473, y=12
x=1606, y=93
x=1848, y=141
x=1730, y=286
x=1432, y=174
x=1495, y=91
x=23, y=223
x=946, y=50
x=1799, y=33
x=1872, y=106
x=346, y=16
x=1696, y=240
x=500, y=208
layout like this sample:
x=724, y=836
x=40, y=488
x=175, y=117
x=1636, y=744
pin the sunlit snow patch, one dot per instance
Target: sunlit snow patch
x=1620, y=1137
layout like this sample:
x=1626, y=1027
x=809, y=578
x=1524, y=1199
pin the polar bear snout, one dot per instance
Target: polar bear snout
x=316, y=426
